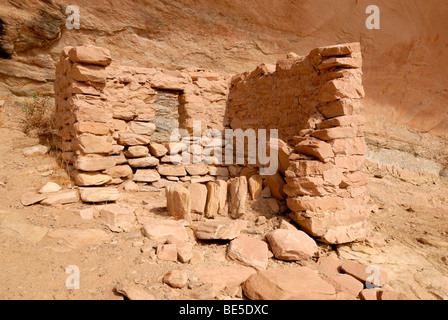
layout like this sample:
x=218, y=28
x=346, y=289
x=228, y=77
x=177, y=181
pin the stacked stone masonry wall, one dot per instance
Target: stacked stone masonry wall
x=105, y=117
x=315, y=103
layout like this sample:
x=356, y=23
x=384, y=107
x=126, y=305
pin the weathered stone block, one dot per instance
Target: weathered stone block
x=179, y=202
x=90, y=55
x=104, y=194
x=85, y=73
x=238, y=194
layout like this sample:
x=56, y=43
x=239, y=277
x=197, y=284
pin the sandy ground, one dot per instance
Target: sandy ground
x=37, y=243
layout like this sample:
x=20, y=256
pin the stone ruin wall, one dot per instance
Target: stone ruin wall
x=106, y=114
x=315, y=103
x=105, y=117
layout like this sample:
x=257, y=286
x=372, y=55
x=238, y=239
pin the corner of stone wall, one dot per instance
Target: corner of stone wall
x=325, y=186
x=84, y=121
x=105, y=121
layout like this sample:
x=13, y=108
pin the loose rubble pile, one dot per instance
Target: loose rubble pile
x=324, y=277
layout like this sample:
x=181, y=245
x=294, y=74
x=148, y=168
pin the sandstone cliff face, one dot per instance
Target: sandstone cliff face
x=404, y=62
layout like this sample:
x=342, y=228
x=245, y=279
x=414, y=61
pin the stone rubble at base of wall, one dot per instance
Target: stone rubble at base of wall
x=105, y=117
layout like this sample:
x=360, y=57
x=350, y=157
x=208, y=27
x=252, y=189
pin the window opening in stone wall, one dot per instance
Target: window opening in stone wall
x=167, y=115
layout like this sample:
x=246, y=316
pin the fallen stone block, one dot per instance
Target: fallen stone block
x=99, y=194
x=176, y=278
x=167, y=252
x=61, y=197
x=392, y=295
x=295, y=283
x=50, y=187
x=249, y=251
x=160, y=230
x=86, y=213
x=184, y=249
x=334, y=227
x=36, y=150
x=132, y=292
x=80, y=237
x=117, y=216
x=370, y=276
x=223, y=276
x=219, y=229
x=30, y=198
x=344, y=283
x=369, y=294
x=291, y=245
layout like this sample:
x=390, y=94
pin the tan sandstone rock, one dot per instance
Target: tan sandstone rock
x=219, y=229
x=238, y=194
x=160, y=230
x=291, y=245
x=178, y=201
x=105, y=194
x=198, y=194
x=294, y=283
x=248, y=251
